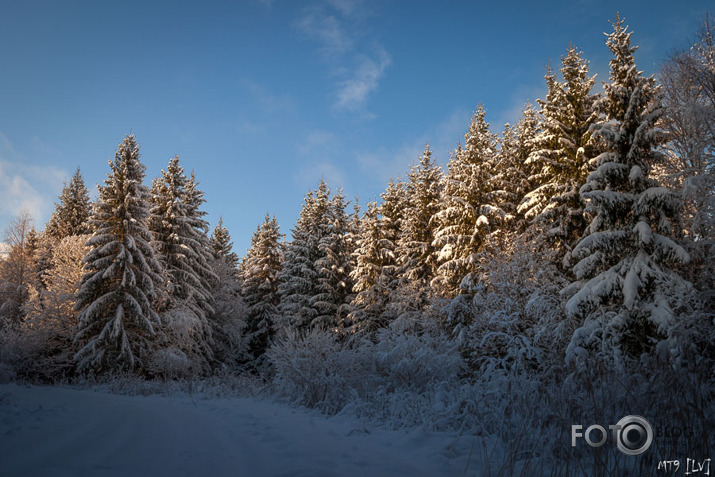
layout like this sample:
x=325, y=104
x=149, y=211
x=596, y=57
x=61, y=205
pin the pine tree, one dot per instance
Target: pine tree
x=182, y=247
x=467, y=214
x=352, y=238
x=260, y=269
x=228, y=319
x=376, y=274
x=371, y=291
x=222, y=246
x=560, y=154
x=299, y=275
x=314, y=282
x=117, y=320
x=180, y=237
x=626, y=292
x=333, y=266
x=71, y=215
x=415, y=252
x=511, y=182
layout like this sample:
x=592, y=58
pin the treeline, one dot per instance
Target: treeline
x=582, y=233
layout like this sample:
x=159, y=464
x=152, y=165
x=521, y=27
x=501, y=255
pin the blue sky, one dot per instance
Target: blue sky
x=262, y=98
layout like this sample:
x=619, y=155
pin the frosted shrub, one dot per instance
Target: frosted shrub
x=512, y=317
x=308, y=369
x=21, y=350
x=13, y=349
x=410, y=361
x=171, y=363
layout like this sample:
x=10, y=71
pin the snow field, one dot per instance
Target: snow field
x=58, y=431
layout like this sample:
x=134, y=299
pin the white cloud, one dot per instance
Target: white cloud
x=319, y=148
x=357, y=63
x=311, y=173
x=353, y=92
x=449, y=132
x=23, y=186
x=388, y=163
x=517, y=100
x=17, y=194
x=269, y=102
x=350, y=8
x=317, y=143
x=328, y=30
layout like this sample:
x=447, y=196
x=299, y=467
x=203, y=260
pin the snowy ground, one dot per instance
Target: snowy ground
x=57, y=431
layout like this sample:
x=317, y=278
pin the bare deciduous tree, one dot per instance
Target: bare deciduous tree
x=16, y=266
x=688, y=83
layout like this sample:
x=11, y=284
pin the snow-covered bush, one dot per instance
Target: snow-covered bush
x=185, y=339
x=414, y=361
x=512, y=317
x=316, y=370
x=50, y=322
x=29, y=350
x=169, y=363
x=18, y=348
x=308, y=369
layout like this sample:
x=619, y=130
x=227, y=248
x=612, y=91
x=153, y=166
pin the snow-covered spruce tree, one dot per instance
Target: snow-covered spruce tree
x=182, y=247
x=194, y=200
x=228, y=321
x=369, y=301
x=352, y=236
x=511, y=182
x=70, y=218
x=375, y=276
x=298, y=277
x=392, y=216
x=259, y=270
x=466, y=217
x=333, y=266
x=314, y=281
x=560, y=155
x=415, y=252
x=117, y=322
x=71, y=215
x=627, y=296
x=222, y=246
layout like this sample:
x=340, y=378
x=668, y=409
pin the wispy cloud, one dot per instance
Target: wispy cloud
x=17, y=194
x=349, y=7
x=311, y=172
x=388, y=163
x=319, y=148
x=353, y=92
x=512, y=113
x=328, y=31
x=357, y=63
x=269, y=102
x=267, y=3
x=318, y=142
x=262, y=109
x=25, y=186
